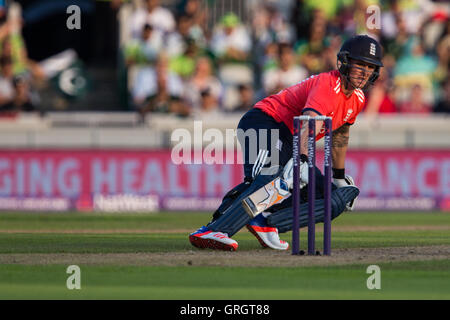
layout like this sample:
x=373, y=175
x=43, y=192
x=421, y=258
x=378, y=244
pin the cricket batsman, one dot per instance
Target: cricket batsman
x=338, y=94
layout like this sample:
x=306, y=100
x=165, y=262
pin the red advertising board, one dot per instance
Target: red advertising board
x=80, y=175
x=400, y=173
x=75, y=173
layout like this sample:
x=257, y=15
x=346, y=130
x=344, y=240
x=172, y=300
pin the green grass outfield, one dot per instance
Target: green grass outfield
x=36, y=248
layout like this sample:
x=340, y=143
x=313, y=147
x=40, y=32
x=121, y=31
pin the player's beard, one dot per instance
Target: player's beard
x=357, y=81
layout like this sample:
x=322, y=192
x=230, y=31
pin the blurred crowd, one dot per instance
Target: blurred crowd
x=178, y=62
x=182, y=57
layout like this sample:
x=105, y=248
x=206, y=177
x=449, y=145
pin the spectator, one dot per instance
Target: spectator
x=269, y=24
x=246, y=98
x=268, y=28
x=159, y=90
x=330, y=52
x=270, y=56
x=209, y=107
x=414, y=14
x=231, y=45
x=396, y=46
x=443, y=105
x=361, y=19
x=329, y=8
x=183, y=48
x=7, y=92
x=300, y=19
x=23, y=100
x=19, y=72
x=260, y=28
x=416, y=103
x=286, y=74
x=15, y=93
x=443, y=53
x=154, y=14
x=380, y=100
x=176, y=43
x=184, y=64
x=12, y=45
x=310, y=50
x=144, y=50
x=197, y=13
x=231, y=41
x=264, y=62
x=390, y=15
x=434, y=29
x=141, y=54
x=345, y=20
x=203, y=80
x=281, y=30
x=261, y=39
x=415, y=67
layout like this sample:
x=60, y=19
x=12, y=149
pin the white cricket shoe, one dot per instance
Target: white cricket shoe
x=267, y=236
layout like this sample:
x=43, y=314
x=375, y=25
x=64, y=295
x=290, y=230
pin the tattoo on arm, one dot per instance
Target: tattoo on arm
x=304, y=141
x=341, y=136
x=304, y=131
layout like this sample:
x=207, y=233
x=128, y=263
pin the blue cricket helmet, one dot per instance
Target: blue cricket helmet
x=362, y=48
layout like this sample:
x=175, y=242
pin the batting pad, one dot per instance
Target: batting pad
x=283, y=218
x=235, y=216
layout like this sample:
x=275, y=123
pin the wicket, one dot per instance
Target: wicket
x=312, y=184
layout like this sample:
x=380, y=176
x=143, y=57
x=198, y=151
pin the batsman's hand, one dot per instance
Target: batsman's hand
x=288, y=173
x=347, y=181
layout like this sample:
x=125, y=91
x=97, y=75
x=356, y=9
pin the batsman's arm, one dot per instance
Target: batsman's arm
x=339, y=146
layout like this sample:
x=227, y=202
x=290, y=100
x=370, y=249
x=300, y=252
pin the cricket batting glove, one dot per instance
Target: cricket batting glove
x=288, y=173
x=347, y=181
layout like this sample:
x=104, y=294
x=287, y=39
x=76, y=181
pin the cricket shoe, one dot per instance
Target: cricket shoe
x=267, y=236
x=204, y=238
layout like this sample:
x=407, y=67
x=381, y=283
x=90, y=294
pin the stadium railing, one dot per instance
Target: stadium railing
x=125, y=130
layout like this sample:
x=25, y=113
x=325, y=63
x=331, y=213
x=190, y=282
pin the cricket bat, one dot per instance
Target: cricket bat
x=272, y=193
